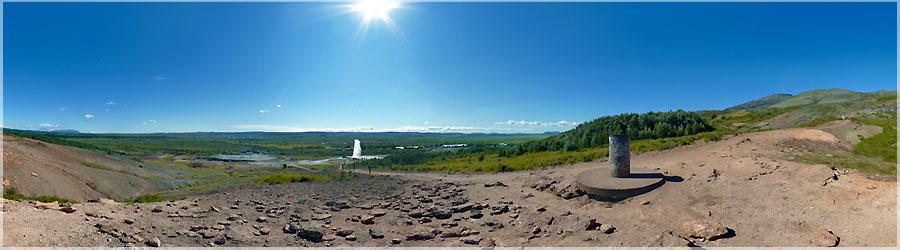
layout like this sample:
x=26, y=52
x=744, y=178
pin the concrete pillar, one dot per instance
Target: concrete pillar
x=619, y=155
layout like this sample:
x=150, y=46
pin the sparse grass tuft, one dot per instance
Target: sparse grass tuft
x=13, y=194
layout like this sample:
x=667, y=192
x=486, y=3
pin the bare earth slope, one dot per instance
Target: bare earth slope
x=37, y=168
x=742, y=182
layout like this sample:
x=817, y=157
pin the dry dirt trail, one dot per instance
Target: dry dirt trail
x=741, y=182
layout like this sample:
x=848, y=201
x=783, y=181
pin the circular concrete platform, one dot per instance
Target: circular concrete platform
x=599, y=184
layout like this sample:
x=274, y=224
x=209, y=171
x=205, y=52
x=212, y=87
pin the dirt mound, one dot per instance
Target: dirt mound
x=37, y=168
x=848, y=132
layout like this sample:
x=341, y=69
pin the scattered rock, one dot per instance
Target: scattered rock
x=422, y=233
x=825, y=238
x=378, y=212
x=395, y=241
x=704, y=229
x=495, y=184
x=290, y=229
x=344, y=232
x=367, y=219
x=129, y=221
x=321, y=217
x=157, y=209
x=67, y=210
x=487, y=243
x=153, y=242
x=607, y=228
x=442, y=214
x=261, y=219
x=375, y=233
x=311, y=231
x=471, y=240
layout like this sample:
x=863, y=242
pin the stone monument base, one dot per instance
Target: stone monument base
x=598, y=183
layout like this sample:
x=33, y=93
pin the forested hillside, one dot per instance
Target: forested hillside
x=652, y=125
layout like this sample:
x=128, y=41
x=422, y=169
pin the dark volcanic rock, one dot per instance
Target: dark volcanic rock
x=311, y=231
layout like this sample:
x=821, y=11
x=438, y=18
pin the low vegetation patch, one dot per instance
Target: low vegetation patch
x=882, y=145
x=151, y=198
x=282, y=178
x=13, y=194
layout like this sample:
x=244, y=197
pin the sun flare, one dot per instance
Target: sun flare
x=375, y=8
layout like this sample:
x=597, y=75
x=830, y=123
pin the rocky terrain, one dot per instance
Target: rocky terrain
x=739, y=191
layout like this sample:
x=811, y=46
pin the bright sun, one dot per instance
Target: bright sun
x=375, y=8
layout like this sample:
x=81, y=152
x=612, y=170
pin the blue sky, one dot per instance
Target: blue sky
x=444, y=67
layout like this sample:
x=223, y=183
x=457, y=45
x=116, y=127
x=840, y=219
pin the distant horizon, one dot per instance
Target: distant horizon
x=424, y=67
x=392, y=131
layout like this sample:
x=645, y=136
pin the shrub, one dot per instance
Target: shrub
x=13, y=194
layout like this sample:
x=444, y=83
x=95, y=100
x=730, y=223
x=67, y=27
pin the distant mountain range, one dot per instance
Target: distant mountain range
x=67, y=131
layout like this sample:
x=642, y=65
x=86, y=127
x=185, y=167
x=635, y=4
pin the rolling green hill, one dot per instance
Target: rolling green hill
x=761, y=102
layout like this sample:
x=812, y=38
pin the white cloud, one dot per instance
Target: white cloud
x=421, y=129
x=143, y=123
x=63, y=108
x=48, y=126
x=160, y=78
x=110, y=103
x=263, y=111
x=107, y=110
x=153, y=121
x=88, y=116
x=538, y=124
x=278, y=105
x=426, y=123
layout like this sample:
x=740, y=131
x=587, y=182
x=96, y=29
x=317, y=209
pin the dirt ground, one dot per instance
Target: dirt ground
x=38, y=168
x=739, y=182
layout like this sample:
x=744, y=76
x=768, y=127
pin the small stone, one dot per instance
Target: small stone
x=350, y=237
x=321, y=216
x=378, y=212
x=395, y=241
x=704, y=229
x=233, y=217
x=487, y=243
x=607, y=228
x=290, y=229
x=367, y=219
x=215, y=209
x=422, y=233
x=375, y=233
x=157, y=209
x=219, y=240
x=344, y=232
x=261, y=219
x=536, y=230
x=471, y=240
x=154, y=242
x=825, y=238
